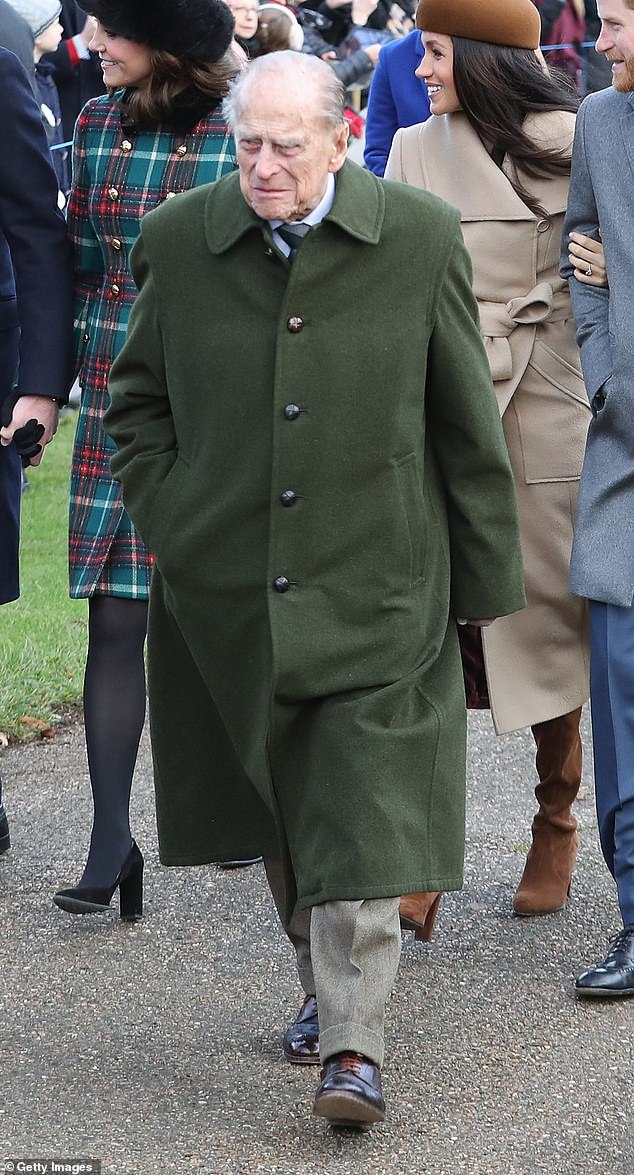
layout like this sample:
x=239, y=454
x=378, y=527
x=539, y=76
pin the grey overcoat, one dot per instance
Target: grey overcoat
x=602, y=198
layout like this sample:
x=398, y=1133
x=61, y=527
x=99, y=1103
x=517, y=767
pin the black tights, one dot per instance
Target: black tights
x=114, y=713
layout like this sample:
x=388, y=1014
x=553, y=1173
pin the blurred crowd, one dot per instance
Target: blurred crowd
x=51, y=40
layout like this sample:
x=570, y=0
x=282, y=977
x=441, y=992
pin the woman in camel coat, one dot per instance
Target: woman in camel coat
x=532, y=668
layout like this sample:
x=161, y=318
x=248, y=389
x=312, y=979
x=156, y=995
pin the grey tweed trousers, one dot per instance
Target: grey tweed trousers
x=347, y=955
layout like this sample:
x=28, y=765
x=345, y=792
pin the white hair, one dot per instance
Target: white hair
x=287, y=61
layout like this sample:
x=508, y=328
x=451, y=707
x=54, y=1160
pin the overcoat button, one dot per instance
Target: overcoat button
x=86, y=338
x=281, y=584
x=288, y=497
x=169, y=195
x=126, y=145
x=115, y=289
x=295, y=324
x=292, y=411
x=182, y=150
x=599, y=400
x=113, y=193
x=116, y=243
x=543, y=226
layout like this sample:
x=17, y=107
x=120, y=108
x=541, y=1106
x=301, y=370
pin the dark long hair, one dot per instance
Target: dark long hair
x=497, y=87
x=179, y=91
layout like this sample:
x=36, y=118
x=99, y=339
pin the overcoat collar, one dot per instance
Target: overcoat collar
x=358, y=209
x=468, y=178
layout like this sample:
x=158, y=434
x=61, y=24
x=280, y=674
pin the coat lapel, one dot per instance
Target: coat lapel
x=359, y=209
x=471, y=181
x=468, y=178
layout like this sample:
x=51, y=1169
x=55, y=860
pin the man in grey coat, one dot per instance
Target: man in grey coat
x=603, y=554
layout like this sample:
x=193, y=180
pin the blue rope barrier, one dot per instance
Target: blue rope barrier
x=578, y=45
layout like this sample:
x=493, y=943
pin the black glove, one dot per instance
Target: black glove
x=26, y=438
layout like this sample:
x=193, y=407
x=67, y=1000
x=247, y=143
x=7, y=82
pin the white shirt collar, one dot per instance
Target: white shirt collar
x=314, y=217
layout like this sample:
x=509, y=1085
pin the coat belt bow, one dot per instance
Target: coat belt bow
x=498, y=320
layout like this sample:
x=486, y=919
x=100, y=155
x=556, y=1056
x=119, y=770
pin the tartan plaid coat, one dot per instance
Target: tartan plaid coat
x=119, y=174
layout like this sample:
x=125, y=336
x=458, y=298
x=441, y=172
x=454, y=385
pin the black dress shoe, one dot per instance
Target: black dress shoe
x=350, y=1091
x=301, y=1039
x=614, y=977
x=238, y=864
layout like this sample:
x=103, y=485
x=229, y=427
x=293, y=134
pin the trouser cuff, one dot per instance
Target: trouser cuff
x=351, y=1038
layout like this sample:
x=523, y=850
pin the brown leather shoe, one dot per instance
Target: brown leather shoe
x=350, y=1091
x=301, y=1039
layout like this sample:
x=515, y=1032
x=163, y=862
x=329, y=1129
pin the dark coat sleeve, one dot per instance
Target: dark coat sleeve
x=590, y=304
x=33, y=240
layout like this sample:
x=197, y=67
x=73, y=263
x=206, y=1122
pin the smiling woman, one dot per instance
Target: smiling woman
x=436, y=71
x=123, y=62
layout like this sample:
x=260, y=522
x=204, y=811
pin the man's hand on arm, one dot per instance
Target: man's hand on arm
x=31, y=440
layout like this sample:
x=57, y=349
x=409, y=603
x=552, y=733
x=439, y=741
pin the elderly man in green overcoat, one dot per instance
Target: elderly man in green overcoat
x=309, y=442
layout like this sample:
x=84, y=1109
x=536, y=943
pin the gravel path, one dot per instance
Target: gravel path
x=155, y=1047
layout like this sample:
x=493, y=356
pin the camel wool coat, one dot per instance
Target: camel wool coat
x=537, y=661
x=323, y=491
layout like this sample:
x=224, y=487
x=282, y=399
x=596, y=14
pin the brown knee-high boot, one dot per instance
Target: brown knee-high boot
x=545, y=882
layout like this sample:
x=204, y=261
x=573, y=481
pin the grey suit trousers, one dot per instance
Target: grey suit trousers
x=347, y=956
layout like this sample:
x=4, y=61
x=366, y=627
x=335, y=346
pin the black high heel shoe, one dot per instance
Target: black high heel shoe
x=93, y=899
x=5, y=840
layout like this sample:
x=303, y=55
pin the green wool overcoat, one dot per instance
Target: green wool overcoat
x=313, y=453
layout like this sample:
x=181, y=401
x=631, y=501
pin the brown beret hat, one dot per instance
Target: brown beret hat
x=501, y=22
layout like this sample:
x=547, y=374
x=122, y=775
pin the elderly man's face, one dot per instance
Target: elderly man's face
x=285, y=149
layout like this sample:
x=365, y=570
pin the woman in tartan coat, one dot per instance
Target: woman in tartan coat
x=157, y=132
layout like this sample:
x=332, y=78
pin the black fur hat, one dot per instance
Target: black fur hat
x=196, y=29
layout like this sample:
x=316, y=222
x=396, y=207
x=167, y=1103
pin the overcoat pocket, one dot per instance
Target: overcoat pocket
x=553, y=414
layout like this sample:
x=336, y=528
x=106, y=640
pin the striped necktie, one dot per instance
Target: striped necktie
x=293, y=235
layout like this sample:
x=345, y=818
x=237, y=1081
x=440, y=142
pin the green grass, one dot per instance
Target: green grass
x=43, y=634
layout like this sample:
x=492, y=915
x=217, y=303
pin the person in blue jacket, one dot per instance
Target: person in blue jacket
x=35, y=310
x=397, y=98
